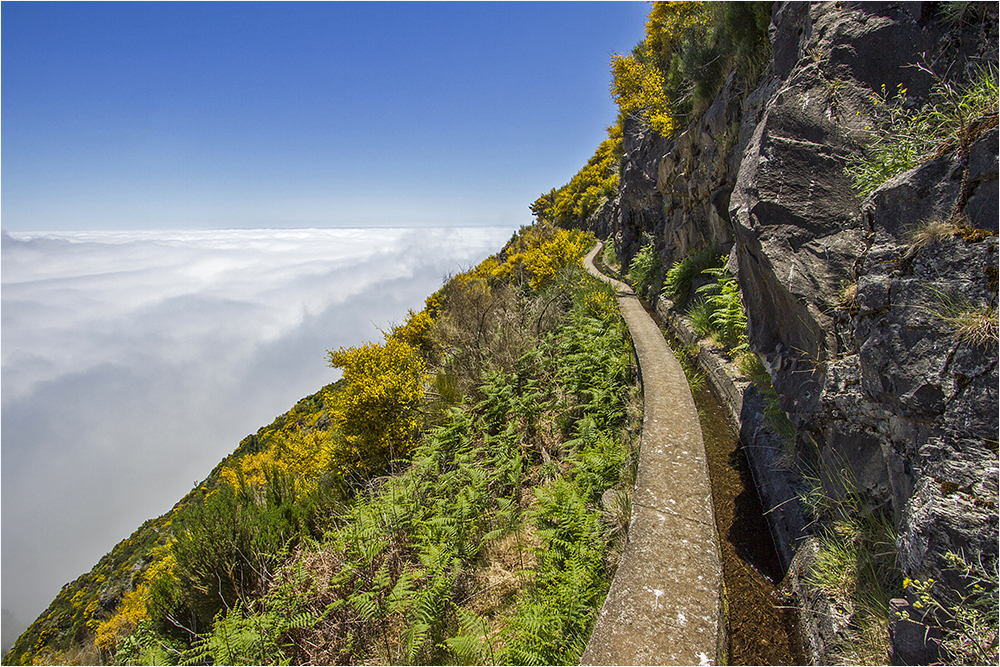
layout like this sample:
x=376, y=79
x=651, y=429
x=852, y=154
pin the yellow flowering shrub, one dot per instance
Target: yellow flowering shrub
x=593, y=185
x=637, y=88
x=378, y=411
x=133, y=607
x=416, y=331
x=540, y=252
x=302, y=454
x=669, y=24
x=601, y=305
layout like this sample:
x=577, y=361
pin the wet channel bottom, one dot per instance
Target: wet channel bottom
x=759, y=630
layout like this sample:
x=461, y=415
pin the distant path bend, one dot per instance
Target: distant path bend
x=664, y=606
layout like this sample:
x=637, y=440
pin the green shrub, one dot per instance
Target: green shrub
x=229, y=546
x=644, y=268
x=679, y=278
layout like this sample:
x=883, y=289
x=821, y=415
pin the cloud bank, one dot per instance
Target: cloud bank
x=132, y=362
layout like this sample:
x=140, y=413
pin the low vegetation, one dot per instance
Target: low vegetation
x=900, y=139
x=460, y=496
x=855, y=563
x=966, y=618
x=716, y=313
x=644, y=268
x=967, y=322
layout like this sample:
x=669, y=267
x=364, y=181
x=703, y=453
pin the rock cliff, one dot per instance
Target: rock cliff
x=846, y=306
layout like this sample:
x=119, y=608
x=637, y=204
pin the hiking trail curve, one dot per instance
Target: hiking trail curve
x=665, y=602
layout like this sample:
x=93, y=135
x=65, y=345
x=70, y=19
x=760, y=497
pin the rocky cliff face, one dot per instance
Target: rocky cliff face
x=845, y=309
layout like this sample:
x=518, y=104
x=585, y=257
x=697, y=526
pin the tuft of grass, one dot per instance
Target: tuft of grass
x=959, y=12
x=976, y=326
x=700, y=315
x=688, y=358
x=929, y=233
x=847, y=297
x=937, y=230
x=968, y=322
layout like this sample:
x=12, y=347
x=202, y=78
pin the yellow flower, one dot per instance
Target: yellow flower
x=907, y=582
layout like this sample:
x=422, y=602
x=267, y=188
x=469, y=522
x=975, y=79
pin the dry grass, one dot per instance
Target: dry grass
x=931, y=232
x=968, y=322
x=867, y=643
x=937, y=230
x=847, y=297
x=976, y=326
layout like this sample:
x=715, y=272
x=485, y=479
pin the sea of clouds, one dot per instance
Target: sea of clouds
x=132, y=362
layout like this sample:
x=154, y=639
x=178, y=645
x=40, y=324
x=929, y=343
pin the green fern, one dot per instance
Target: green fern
x=679, y=278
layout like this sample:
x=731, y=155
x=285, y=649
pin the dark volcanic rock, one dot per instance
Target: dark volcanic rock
x=850, y=301
x=890, y=401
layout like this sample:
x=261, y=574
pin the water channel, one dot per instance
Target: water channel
x=760, y=626
x=760, y=622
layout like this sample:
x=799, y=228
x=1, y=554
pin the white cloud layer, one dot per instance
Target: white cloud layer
x=132, y=362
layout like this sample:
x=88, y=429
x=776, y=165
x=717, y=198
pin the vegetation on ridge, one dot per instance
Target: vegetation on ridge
x=668, y=79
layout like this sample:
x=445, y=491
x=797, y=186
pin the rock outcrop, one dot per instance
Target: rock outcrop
x=850, y=300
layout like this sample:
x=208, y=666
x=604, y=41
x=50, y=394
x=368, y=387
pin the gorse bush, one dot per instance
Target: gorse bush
x=377, y=413
x=596, y=183
x=637, y=89
x=539, y=253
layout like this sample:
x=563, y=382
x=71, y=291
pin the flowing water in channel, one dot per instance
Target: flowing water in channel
x=760, y=630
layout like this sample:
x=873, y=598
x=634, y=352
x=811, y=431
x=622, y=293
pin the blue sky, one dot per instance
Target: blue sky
x=233, y=115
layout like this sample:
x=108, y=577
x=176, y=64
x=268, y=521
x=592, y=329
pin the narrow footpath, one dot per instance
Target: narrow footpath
x=664, y=606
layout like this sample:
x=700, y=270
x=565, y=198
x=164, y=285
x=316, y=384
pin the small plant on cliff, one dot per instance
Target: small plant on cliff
x=969, y=323
x=968, y=620
x=643, y=268
x=901, y=139
x=847, y=297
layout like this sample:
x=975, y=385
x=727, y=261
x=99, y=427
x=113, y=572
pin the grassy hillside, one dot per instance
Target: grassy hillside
x=461, y=496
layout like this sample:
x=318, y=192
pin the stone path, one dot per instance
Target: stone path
x=664, y=606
